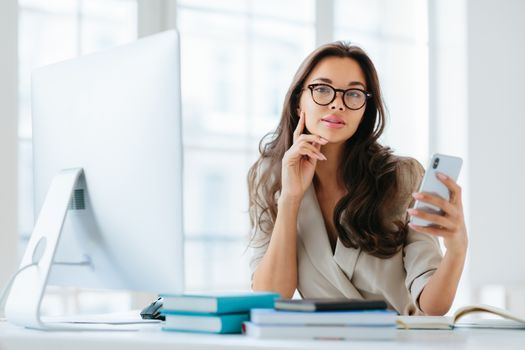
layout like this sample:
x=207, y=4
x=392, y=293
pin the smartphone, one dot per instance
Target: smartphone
x=450, y=166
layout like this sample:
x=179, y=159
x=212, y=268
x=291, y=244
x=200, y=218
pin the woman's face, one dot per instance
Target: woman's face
x=335, y=121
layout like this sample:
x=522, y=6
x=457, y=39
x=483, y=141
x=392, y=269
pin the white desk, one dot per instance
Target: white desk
x=150, y=337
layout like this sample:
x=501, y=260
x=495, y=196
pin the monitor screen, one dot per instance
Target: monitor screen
x=117, y=115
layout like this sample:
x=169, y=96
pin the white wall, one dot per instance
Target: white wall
x=448, y=105
x=8, y=138
x=448, y=79
x=496, y=144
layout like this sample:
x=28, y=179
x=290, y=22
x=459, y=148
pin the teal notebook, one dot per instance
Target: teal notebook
x=210, y=323
x=218, y=302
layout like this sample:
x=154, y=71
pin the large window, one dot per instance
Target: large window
x=49, y=32
x=235, y=72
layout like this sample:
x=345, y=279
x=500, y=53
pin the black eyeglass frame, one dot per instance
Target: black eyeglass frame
x=311, y=87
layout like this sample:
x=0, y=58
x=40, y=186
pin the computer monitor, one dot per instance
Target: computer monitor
x=107, y=175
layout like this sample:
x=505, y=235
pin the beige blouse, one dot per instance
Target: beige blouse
x=351, y=273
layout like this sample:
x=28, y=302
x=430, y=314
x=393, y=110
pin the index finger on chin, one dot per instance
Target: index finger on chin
x=300, y=127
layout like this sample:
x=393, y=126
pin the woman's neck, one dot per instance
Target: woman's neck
x=327, y=171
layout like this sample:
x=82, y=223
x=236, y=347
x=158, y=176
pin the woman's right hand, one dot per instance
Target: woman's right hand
x=298, y=166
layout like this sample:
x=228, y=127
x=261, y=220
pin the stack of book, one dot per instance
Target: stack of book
x=323, y=319
x=212, y=312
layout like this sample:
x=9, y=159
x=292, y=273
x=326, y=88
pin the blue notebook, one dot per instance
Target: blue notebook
x=210, y=323
x=218, y=302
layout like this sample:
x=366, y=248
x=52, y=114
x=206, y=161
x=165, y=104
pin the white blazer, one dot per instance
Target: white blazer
x=351, y=273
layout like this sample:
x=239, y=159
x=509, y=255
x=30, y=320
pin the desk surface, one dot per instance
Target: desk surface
x=151, y=337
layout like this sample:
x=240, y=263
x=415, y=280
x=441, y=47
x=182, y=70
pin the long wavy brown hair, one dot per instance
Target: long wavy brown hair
x=368, y=169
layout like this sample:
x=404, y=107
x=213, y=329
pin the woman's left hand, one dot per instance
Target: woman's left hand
x=451, y=224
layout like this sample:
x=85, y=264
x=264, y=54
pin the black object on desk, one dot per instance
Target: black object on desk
x=152, y=311
x=328, y=304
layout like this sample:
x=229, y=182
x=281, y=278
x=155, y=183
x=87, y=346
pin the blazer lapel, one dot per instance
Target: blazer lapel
x=338, y=268
x=346, y=258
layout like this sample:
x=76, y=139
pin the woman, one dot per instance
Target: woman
x=329, y=205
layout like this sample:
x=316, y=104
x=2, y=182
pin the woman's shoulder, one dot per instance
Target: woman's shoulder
x=409, y=172
x=409, y=165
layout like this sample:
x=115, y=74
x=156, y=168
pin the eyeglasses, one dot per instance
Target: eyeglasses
x=324, y=94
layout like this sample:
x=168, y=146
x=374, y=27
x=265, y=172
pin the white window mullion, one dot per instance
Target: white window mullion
x=8, y=137
x=248, y=95
x=79, y=25
x=324, y=22
x=149, y=17
x=156, y=16
x=170, y=14
x=432, y=76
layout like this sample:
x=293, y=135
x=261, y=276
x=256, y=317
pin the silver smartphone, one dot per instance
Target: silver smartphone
x=443, y=163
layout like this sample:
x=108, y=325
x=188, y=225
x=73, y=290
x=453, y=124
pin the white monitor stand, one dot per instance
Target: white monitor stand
x=27, y=291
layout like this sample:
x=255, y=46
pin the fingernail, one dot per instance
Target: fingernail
x=324, y=157
x=442, y=176
x=417, y=195
x=323, y=141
